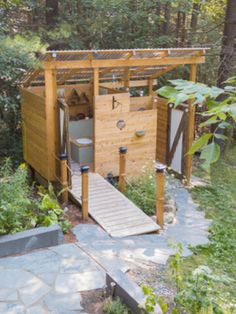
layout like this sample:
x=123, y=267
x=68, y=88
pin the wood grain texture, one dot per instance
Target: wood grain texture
x=108, y=139
x=35, y=148
x=162, y=129
x=111, y=209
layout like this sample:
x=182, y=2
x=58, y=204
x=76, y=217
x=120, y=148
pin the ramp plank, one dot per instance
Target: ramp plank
x=113, y=210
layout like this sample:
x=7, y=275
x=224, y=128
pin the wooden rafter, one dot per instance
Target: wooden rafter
x=67, y=75
x=163, y=71
x=31, y=77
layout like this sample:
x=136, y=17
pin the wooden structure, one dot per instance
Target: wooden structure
x=89, y=103
x=111, y=209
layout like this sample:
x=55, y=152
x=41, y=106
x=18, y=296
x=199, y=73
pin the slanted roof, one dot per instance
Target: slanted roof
x=77, y=65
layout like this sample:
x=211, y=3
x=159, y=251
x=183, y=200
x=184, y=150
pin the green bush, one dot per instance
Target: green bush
x=20, y=208
x=115, y=307
x=17, y=54
x=142, y=191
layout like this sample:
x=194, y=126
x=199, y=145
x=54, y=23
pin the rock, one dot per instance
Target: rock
x=169, y=218
x=170, y=208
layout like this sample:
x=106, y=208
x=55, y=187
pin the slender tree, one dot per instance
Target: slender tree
x=51, y=12
x=228, y=50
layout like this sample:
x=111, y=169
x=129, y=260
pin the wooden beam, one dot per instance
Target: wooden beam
x=190, y=129
x=67, y=75
x=73, y=64
x=132, y=83
x=163, y=71
x=51, y=124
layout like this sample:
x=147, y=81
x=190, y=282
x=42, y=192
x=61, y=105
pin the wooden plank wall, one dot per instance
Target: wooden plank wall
x=162, y=130
x=34, y=132
x=108, y=139
x=145, y=102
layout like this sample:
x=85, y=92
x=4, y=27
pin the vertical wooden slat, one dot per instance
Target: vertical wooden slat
x=95, y=93
x=63, y=177
x=150, y=87
x=160, y=187
x=190, y=128
x=126, y=78
x=85, y=191
x=51, y=120
x=122, y=168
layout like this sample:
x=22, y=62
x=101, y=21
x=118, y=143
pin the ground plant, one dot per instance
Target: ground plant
x=115, y=306
x=22, y=207
x=142, y=190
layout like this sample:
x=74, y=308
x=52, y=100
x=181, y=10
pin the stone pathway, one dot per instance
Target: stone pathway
x=50, y=281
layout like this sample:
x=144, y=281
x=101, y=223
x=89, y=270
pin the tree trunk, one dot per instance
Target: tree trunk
x=194, y=17
x=167, y=11
x=228, y=49
x=178, y=27
x=158, y=13
x=51, y=12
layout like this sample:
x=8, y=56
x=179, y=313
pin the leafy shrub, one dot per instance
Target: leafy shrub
x=115, y=307
x=142, y=191
x=19, y=210
x=17, y=54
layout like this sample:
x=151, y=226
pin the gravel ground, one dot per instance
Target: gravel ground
x=154, y=275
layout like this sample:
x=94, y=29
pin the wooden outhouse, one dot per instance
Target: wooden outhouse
x=87, y=104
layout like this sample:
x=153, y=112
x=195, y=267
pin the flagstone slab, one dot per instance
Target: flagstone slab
x=89, y=280
x=61, y=302
x=33, y=292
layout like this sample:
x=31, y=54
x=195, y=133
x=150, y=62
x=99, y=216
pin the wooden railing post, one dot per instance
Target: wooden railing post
x=64, y=177
x=85, y=188
x=160, y=187
x=122, y=168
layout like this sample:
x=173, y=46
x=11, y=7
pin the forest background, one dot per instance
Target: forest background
x=28, y=28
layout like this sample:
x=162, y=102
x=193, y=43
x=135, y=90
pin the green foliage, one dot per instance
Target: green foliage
x=152, y=300
x=218, y=200
x=218, y=113
x=175, y=266
x=16, y=55
x=115, y=307
x=198, y=294
x=20, y=209
x=15, y=205
x=142, y=190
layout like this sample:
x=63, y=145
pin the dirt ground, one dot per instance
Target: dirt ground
x=92, y=301
x=74, y=215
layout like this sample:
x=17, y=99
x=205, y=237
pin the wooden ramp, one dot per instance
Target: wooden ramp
x=111, y=209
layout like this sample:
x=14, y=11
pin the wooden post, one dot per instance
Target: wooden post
x=85, y=185
x=51, y=121
x=190, y=128
x=150, y=87
x=160, y=187
x=126, y=78
x=95, y=82
x=64, y=177
x=95, y=93
x=122, y=169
